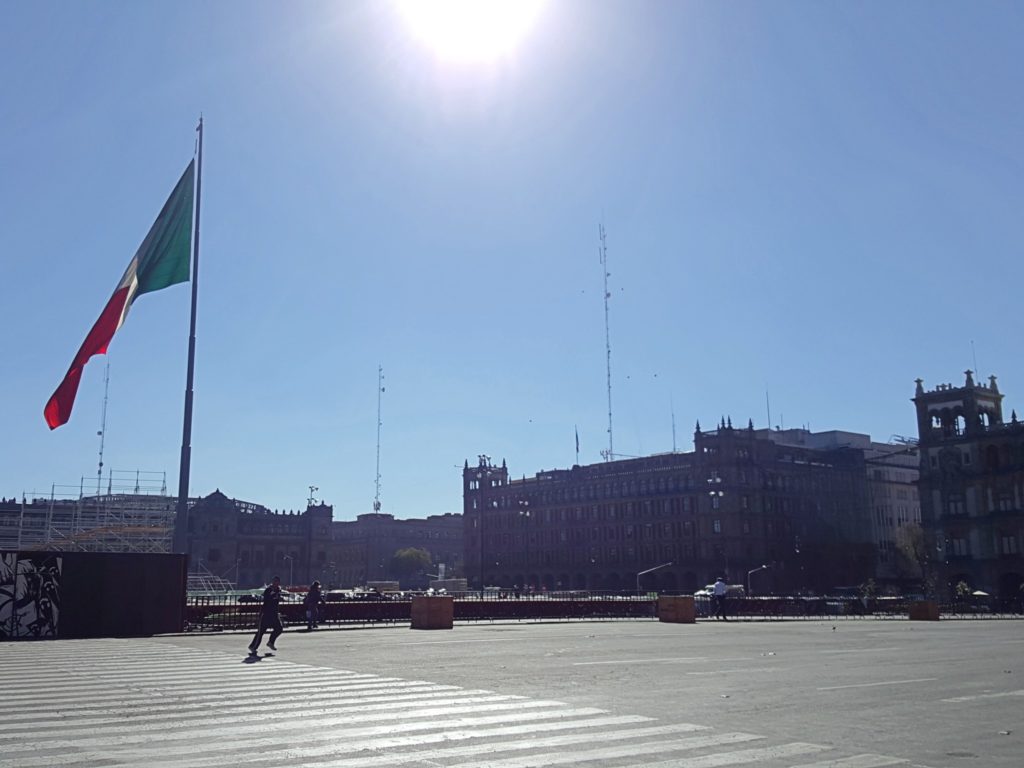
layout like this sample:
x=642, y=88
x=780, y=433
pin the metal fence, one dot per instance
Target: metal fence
x=215, y=612
x=223, y=612
x=799, y=607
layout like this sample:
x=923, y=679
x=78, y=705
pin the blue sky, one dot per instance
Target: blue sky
x=818, y=200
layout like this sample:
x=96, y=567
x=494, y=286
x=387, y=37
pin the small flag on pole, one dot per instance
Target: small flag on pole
x=161, y=261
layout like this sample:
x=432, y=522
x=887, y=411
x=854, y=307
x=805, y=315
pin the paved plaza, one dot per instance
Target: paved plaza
x=850, y=694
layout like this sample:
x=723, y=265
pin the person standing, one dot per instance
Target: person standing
x=313, y=600
x=721, y=589
x=270, y=617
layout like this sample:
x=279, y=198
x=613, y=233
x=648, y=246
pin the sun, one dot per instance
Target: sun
x=470, y=30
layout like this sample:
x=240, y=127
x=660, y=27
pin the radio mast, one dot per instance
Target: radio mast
x=609, y=455
x=380, y=389
x=102, y=434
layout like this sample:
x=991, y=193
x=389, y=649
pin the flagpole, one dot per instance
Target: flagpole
x=181, y=515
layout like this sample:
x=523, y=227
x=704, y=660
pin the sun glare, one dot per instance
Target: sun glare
x=470, y=30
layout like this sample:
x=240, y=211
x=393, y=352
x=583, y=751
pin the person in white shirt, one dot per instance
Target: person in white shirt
x=721, y=589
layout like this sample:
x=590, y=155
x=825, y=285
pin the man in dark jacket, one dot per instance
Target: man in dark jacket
x=313, y=600
x=270, y=618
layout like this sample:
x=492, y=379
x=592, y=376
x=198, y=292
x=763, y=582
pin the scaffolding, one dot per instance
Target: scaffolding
x=134, y=515
x=202, y=581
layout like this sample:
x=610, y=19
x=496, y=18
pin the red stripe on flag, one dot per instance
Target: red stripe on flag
x=58, y=407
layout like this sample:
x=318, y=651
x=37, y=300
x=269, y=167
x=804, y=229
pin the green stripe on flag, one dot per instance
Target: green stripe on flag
x=163, y=257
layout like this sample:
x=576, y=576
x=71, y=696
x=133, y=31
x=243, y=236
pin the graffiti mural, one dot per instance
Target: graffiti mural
x=29, y=595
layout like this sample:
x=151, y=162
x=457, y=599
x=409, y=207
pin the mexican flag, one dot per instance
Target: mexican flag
x=162, y=260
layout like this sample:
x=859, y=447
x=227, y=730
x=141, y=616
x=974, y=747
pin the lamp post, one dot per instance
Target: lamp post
x=649, y=570
x=524, y=516
x=291, y=568
x=480, y=530
x=751, y=573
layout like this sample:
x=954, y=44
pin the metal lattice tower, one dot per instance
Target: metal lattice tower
x=380, y=390
x=103, y=428
x=603, y=252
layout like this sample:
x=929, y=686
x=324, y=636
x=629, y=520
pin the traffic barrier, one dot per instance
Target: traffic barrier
x=677, y=609
x=923, y=610
x=433, y=612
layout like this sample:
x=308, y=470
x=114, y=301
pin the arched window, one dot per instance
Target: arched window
x=992, y=457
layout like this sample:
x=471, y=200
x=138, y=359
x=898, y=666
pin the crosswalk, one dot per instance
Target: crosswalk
x=105, y=703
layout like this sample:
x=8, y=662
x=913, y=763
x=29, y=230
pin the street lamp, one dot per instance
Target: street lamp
x=480, y=531
x=751, y=573
x=649, y=570
x=291, y=568
x=524, y=515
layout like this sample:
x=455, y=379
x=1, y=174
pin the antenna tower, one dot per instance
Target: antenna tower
x=672, y=406
x=380, y=390
x=102, y=434
x=603, y=252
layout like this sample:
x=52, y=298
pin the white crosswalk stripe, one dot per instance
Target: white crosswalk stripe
x=100, y=704
x=857, y=761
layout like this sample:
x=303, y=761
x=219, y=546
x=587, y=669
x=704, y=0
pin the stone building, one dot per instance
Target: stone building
x=740, y=501
x=972, y=487
x=248, y=544
x=893, y=506
x=364, y=547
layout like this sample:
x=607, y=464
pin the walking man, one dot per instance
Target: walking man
x=721, y=589
x=270, y=618
x=313, y=600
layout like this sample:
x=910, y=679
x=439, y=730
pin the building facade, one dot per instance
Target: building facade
x=745, y=503
x=893, y=505
x=365, y=547
x=248, y=544
x=971, y=488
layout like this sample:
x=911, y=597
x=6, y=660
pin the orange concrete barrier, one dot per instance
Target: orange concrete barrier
x=923, y=610
x=433, y=612
x=677, y=609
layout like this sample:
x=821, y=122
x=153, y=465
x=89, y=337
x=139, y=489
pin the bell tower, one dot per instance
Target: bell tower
x=950, y=413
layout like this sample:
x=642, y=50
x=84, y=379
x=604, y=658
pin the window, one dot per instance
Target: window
x=959, y=548
x=955, y=504
x=716, y=525
x=1008, y=545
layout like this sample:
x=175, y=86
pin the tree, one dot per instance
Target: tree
x=963, y=591
x=915, y=555
x=410, y=561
